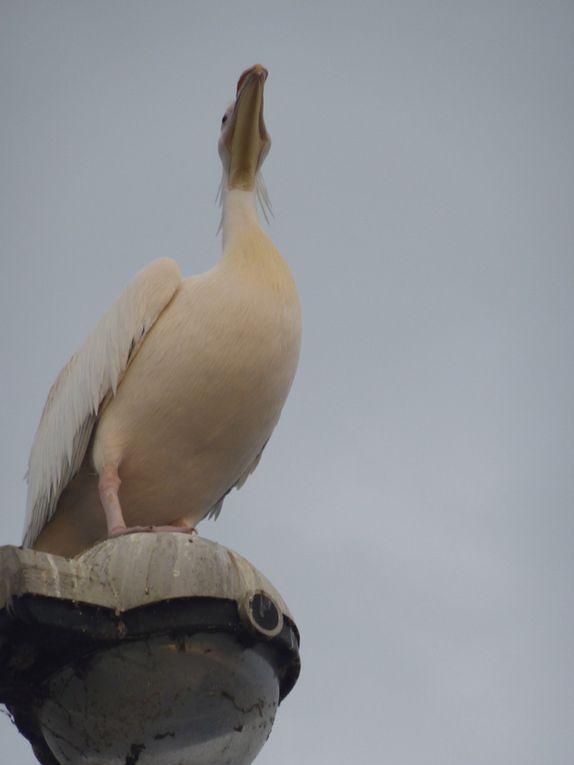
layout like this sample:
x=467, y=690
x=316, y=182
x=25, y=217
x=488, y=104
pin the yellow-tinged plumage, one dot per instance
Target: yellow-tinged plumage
x=207, y=365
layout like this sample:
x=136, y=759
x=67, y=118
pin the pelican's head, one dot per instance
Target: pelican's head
x=244, y=141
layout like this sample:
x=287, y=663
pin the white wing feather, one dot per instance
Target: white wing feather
x=93, y=373
x=216, y=509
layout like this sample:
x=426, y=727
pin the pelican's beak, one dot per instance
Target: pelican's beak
x=246, y=138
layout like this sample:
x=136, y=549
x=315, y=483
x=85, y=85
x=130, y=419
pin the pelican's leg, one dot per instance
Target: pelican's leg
x=109, y=485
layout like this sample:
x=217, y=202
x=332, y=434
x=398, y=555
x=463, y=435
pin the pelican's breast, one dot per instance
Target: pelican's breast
x=202, y=395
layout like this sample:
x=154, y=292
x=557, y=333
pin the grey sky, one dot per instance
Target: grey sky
x=415, y=505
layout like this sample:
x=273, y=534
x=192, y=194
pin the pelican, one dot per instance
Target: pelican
x=178, y=389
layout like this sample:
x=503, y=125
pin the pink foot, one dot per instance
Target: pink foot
x=119, y=531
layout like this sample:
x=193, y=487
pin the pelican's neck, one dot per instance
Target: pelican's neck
x=239, y=213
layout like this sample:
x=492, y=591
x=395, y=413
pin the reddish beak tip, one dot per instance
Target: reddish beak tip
x=257, y=70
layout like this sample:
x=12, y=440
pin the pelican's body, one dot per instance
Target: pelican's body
x=195, y=402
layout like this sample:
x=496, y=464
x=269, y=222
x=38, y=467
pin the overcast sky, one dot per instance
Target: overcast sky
x=415, y=505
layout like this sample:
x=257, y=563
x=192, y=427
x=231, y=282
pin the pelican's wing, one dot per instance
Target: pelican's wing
x=92, y=374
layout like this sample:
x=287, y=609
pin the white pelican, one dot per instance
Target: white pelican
x=178, y=389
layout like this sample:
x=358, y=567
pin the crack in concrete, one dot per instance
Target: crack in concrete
x=133, y=755
x=258, y=705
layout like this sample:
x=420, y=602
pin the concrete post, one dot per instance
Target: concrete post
x=149, y=648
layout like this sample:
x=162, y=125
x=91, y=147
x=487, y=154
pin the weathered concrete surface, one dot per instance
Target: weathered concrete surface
x=134, y=570
x=207, y=676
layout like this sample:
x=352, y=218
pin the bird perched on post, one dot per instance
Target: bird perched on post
x=176, y=392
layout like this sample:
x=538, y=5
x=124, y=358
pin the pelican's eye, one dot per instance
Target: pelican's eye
x=227, y=114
